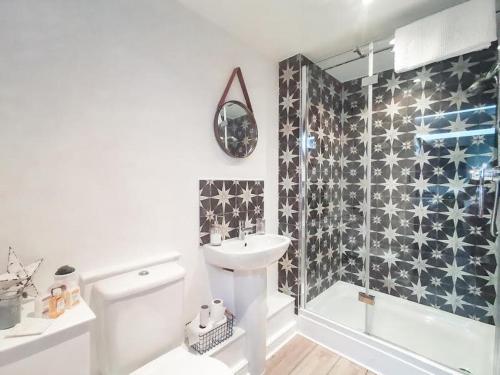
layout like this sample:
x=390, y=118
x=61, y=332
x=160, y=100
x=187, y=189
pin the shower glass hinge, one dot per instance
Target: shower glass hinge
x=370, y=80
x=366, y=298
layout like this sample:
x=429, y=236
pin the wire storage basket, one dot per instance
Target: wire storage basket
x=215, y=336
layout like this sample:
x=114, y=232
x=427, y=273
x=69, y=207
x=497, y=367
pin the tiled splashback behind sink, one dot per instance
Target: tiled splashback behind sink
x=227, y=202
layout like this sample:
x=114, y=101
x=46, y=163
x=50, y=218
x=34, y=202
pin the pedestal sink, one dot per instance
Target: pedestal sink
x=249, y=259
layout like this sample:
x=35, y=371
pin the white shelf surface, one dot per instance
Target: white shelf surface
x=73, y=322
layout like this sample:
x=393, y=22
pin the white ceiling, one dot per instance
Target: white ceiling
x=316, y=28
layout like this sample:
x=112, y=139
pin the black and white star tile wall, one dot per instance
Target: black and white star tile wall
x=227, y=202
x=428, y=244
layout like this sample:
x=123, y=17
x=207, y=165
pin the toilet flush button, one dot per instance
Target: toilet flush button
x=144, y=273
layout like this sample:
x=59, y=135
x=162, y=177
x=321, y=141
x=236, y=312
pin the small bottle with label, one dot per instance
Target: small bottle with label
x=42, y=305
x=56, y=302
x=74, y=293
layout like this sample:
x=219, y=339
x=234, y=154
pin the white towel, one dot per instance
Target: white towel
x=464, y=28
x=29, y=327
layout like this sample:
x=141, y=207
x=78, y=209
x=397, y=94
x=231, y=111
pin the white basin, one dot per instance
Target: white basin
x=249, y=260
x=257, y=251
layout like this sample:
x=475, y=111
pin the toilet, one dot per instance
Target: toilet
x=140, y=325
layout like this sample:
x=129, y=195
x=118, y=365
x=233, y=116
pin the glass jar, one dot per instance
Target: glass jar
x=215, y=235
x=10, y=310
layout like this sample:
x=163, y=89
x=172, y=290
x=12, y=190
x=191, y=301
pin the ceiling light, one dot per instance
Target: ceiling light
x=366, y=2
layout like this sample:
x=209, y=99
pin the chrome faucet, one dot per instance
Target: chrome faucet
x=242, y=231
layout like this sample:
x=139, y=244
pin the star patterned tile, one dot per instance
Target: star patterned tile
x=227, y=202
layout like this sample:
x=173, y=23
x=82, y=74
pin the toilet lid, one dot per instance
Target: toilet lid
x=180, y=362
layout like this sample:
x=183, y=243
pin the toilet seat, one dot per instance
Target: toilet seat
x=181, y=362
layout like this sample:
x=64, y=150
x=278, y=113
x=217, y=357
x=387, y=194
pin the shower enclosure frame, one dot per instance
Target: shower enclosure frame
x=303, y=145
x=303, y=188
x=361, y=344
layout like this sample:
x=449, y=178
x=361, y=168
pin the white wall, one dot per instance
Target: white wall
x=106, y=112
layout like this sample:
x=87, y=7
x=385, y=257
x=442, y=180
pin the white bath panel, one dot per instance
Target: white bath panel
x=369, y=352
x=281, y=321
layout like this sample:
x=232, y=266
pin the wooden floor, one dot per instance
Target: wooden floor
x=301, y=356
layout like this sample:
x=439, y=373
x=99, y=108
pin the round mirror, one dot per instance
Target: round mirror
x=235, y=129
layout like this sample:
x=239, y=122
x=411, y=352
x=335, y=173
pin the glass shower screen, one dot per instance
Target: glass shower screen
x=399, y=182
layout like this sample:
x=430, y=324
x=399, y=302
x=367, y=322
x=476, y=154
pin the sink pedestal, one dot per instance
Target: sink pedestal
x=249, y=260
x=250, y=291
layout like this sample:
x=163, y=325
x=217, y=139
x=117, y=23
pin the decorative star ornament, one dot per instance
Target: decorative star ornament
x=19, y=278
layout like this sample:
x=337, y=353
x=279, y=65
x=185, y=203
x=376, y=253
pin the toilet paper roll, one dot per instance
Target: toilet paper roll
x=193, y=330
x=204, y=316
x=220, y=322
x=217, y=310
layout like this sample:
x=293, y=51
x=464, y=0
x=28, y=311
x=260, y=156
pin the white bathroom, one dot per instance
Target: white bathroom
x=232, y=187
